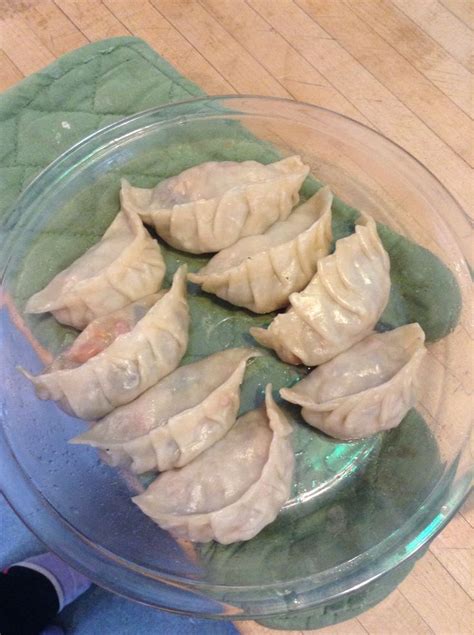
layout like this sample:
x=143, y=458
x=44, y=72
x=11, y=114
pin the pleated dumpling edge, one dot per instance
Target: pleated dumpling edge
x=341, y=304
x=125, y=265
x=261, y=272
x=210, y=206
x=367, y=388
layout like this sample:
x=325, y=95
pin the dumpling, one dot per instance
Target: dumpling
x=366, y=389
x=101, y=332
x=339, y=307
x=260, y=272
x=131, y=364
x=125, y=265
x=174, y=421
x=234, y=489
x=210, y=206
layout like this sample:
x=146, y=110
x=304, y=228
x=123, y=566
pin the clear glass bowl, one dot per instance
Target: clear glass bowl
x=358, y=510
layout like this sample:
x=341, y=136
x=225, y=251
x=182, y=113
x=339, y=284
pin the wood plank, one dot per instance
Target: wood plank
x=462, y=9
x=422, y=52
x=438, y=598
x=458, y=533
x=279, y=58
x=454, y=548
x=378, y=104
x=392, y=70
x=143, y=20
x=458, y=562
x=467, y=510
x=9, y=73
x=92, y=18
x=22, y=46
x=52, y=27
x=231, y=60
x=350, y=627
x=394, y=616
x=444, y=27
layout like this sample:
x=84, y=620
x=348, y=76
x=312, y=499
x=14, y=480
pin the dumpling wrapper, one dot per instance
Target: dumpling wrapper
x=101, y=332
x=339, y=307
x=366, y=389
x=234, y=489
x=178, y=418
x=260, y=272
x=131, y=364
x=125, y=265
x=210, y=206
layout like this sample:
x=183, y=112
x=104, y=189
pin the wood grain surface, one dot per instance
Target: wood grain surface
x=403, y=67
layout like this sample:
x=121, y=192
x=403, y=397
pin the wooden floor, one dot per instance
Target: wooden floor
x=404, y=67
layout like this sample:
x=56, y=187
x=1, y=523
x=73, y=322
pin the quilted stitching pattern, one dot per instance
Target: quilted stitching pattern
x=81, y=92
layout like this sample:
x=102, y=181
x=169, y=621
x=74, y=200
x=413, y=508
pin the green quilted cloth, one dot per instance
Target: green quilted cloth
x=79, y=93
x=106, y=81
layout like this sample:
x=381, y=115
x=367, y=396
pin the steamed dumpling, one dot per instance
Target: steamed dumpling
x=234, y=489
x=125, y=265
x=131, y=364
x=260, y=272
x=210, y=206
x=339, y=307
x=180, y=417
x=366, y=389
